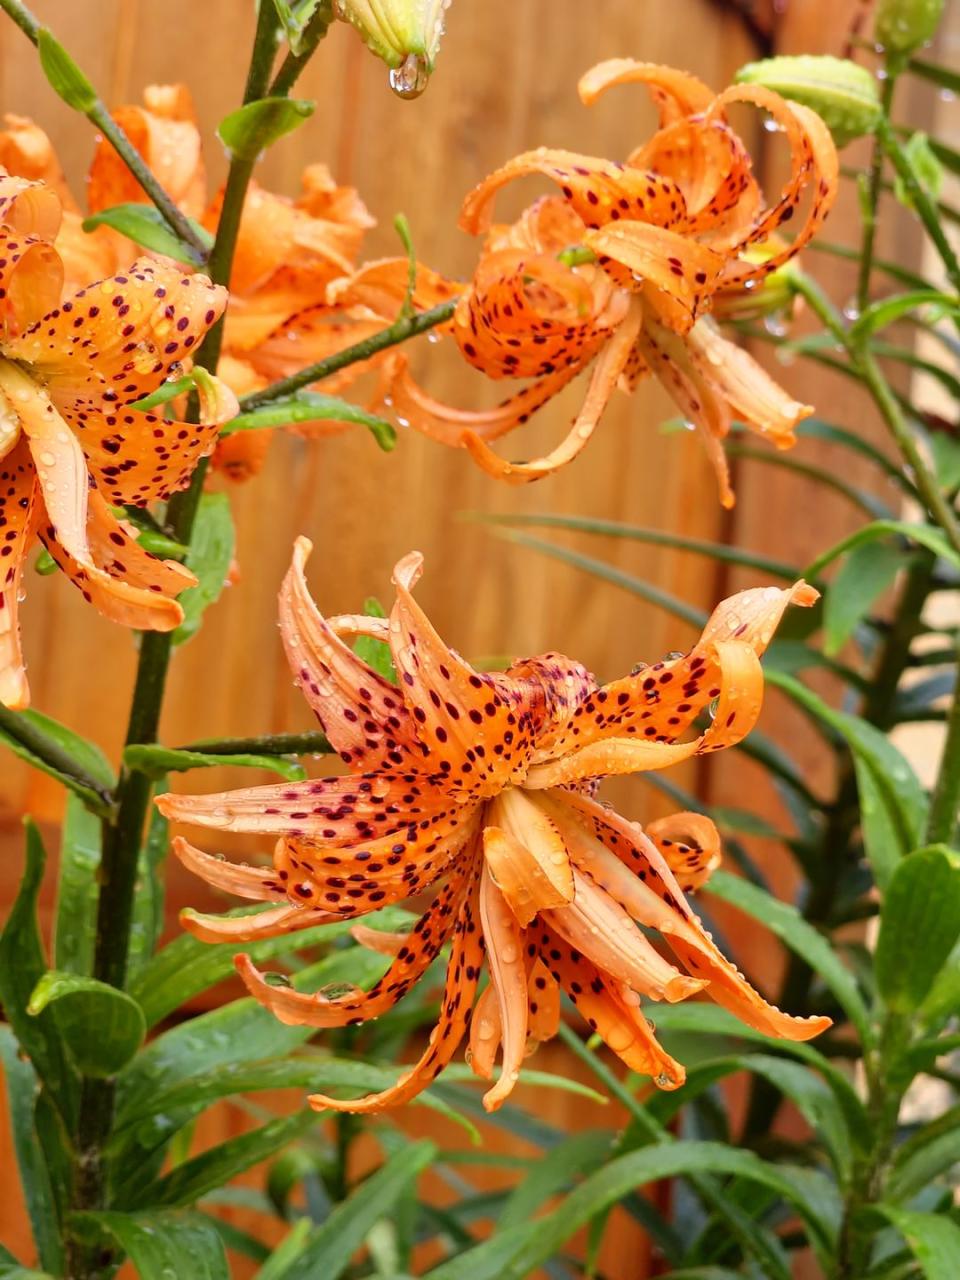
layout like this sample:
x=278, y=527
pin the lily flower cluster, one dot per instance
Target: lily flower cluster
x=480, y=788
x=620, y=271
x=72, y=447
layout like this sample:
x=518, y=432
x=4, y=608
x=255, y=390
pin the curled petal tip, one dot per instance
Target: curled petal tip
x=302, y=547
x=803, y=594
x=682, y=988
x=406, y=572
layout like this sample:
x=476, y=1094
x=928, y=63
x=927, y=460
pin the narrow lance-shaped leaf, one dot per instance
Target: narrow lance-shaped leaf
x=864, y=575
x=211, y=554
x=101, y=1027
x=919, y=926
x=157, y=761
x=312, y=406
x=147, y=923
x=146, y=226
x=77, y=889
x=933, y=1239
x=56, y=750
x=161, y=1243
x=257, y=125
x=62, y=73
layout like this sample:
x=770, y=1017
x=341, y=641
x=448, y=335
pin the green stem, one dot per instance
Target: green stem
x=925, y=207
x=51, y=753
x=945, y=802
x=402, y=329
x=873, y=201
x=294, y=63
x=122, y=836
x=99, y=116
x=269, y=744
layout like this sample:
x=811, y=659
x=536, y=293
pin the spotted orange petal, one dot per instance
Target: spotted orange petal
x=690, y=845
x=675, y=93
x=508, y=977
x=19, y=515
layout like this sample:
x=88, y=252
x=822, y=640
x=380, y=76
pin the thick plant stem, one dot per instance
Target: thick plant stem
x=402, y=329
x=294, y=63
x=945, y=802
x=122, y=836
x=99, y=115
x=268, y=744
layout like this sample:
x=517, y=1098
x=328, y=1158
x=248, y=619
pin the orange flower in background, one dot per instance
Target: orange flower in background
x=288, y=251
x=480, y=788
x=70, y=445
x=651, y=243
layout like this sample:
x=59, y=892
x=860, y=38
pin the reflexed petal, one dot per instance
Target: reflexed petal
x=27, y=152
x=133, y=330
x=115, y=549
x=675, y=93
x=335, y=811
x=30, y=209
x=543, y=993
x=362, y=714
x=476, y=726
x=485, y=1033
x=690, y=844
x=596, y=925
x=138, y=458
x=260, y=884
x=611, y=1010
x=414, y=957
x=273, y=923
x=463, y=975
x=609, y=366
x=31, y=279
x=599, y=191
x=526, y=856
x=19, y=513
x=675, y=275
x=508, y=977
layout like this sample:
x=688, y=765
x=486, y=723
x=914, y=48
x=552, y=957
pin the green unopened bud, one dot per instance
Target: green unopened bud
x=772, y=297
x=404, y=33
x=842, y=93
x=904, y=25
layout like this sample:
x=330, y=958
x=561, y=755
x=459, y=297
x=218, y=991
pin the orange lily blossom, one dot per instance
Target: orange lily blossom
x=480, y=787
x=288, y=251
x=655, y=241
x=70, y=445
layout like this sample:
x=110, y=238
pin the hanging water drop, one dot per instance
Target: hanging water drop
x=410, y=79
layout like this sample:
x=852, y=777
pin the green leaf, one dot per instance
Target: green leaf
x=579, y=1154
x=930, y=1152
x=64, y=76
x=168, y=390
x=146, y=226
x=924, y=165
x=933, y=1238
x=375, y=653
x=22, y=1088
x=147, y=924
x=53, y=748
x=865, y=574
x=791, y=928
x=210, y=556
x=328, y=1250
x=943, y=999
x=257, y=125
x=516, y=1253
x=652, y=537
x=294, y=16
x=156, y=761
x=945, y=448
x=919, y=926
x=884, y=841
x=22, y=965
x=889, y=310
x=78, y=892
x=924, y=534
x=101, y=1027
x=195, y=1178
x=162, y=1244
x=894, y=781
x=312, y=406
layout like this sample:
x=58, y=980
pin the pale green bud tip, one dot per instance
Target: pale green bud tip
x=405, y=34
x=903, y=25
x=842, y=93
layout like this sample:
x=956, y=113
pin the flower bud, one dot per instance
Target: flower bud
x=404, y=33
x=770, y=297
x=842, y=93
x=903, y=25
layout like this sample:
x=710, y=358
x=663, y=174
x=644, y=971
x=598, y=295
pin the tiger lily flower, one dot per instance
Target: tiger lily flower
x=620, y=271
x=479, y=788
x=288, y=251
x=70, y=444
